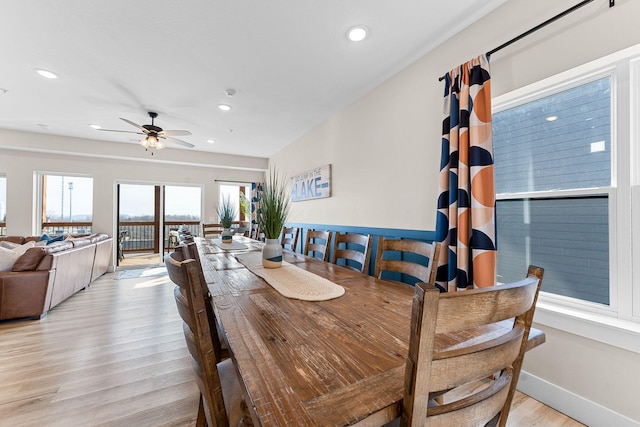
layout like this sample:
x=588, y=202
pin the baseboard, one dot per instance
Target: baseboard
x=571, y=404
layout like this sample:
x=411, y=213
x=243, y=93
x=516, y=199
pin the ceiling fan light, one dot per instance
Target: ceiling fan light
x=159, y=144
x=144, y=142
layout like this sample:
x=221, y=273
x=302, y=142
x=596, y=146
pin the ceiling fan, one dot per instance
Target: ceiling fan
x=155, y=134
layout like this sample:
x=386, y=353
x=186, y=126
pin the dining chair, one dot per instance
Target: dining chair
x=220, y=391
x=352, y=248
x=475, y=381
x=317, y=243
x=256, y=234
x=289, y=238
x=407, y=258
x=212, y=230
x=221, y=348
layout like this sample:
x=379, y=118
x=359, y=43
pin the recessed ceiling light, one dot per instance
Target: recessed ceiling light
x=96, y=126
x=211, y=141
x=552, y=118
x=224, y=107
x=357, y=33
x=46, y=73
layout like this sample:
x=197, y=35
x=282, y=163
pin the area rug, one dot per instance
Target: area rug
x=140, y=273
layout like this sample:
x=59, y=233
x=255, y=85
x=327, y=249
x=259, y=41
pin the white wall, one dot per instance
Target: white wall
x=24, y=154
x=384, y=150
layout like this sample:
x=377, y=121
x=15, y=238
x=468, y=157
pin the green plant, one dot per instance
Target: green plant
x=244, y=205
x=226, y=212
x=274, y=205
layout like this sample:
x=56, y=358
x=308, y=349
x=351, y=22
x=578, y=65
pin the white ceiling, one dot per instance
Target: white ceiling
x=288, y=61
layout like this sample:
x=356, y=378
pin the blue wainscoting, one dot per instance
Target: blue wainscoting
x=390, y=233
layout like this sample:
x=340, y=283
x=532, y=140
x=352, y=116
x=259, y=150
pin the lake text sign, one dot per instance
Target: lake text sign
x=312, y=184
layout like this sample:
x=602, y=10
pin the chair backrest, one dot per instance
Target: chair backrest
x=352, y=247
x=212, y=230
x=255, y=233
x=199, y=333
x=317, y=243
x=460, y=376
x=289, y=238
x=401, y=256
x=184, y=235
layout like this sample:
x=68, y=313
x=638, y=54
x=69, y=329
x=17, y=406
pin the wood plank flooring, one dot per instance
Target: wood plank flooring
x=115, y=355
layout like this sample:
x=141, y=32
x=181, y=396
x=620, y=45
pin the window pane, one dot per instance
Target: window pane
x=237, y=196
x=569, y=238
x=562, y=141
x=182, y=203
x=67, y=199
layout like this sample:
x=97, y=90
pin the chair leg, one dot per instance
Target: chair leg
x=201, y=421
x=246, y=420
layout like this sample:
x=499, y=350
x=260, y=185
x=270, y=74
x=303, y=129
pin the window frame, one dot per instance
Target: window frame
x=39, y=202
x=611, y=324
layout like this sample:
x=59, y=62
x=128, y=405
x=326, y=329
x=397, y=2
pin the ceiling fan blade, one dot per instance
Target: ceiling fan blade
x=179, y=142
x=135, y=125
x=123, y=131
x=174, y=133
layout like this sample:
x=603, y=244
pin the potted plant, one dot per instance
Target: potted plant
x=226, y=213
x=272, y=215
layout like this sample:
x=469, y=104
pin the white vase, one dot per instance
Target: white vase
x=272, y=254
x=226, y=235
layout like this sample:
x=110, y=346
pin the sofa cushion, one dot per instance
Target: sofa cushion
x=58, y=247
x=50, y=239
x=8, y=257
x=78, y=243
x=13, y=239
x=29, y=260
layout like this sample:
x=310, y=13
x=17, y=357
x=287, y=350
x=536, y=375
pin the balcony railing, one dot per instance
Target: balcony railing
x=140, y=235
x=58, y=228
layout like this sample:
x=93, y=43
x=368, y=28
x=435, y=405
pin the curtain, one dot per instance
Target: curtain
x=256, y=196
x=465, y=222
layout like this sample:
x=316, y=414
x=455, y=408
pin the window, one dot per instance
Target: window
x=553, y=176
x=567, y=156
x=67, y=204
x=238, y=195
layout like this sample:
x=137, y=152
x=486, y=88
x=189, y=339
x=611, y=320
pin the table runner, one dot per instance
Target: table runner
x=291, y=281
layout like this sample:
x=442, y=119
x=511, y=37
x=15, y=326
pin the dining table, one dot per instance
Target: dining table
x=333, y=362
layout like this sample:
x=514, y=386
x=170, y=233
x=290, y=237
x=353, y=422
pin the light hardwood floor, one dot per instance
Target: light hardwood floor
x=115, y=355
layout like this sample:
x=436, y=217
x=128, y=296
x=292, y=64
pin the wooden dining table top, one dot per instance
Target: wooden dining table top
x=323, y=363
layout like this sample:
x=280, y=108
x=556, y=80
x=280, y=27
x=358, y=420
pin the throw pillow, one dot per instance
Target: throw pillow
x=7, y=258
x=50, y=239
x=29, y=260
x=21, y=249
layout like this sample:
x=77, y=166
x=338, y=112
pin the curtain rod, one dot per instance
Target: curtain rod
x=540, y=26
x=232, y=182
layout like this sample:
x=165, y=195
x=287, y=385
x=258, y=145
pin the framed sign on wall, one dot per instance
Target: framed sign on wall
x=312, y=184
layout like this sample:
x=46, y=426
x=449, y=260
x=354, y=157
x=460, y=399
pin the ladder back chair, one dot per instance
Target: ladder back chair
x=289, y=239
x=220, y=346
x=211, y=230
x=474, y=382
x=352, y=248
x=401, y=256
x=255, y=233
x=317, y=243
x=220, y=391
